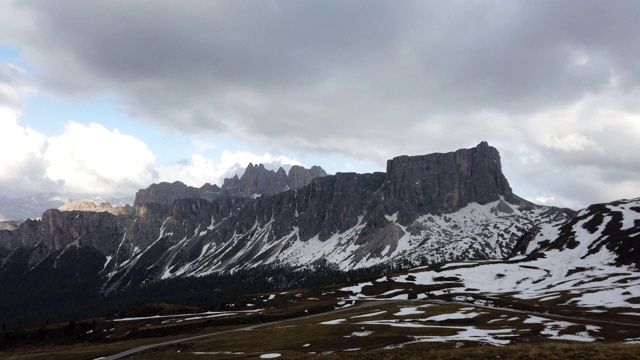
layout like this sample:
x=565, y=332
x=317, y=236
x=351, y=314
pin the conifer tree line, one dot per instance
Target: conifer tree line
x=71, y=292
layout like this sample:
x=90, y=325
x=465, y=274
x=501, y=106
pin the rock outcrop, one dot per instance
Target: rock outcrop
x=91, y=206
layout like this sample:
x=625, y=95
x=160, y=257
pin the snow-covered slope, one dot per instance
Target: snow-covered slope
x=488, y=231
x=582, y=265
x=614, y=226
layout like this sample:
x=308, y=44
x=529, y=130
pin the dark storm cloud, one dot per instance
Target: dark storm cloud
x=249, y=43
x=186, y=60
x=452, y=57
x=370, y=79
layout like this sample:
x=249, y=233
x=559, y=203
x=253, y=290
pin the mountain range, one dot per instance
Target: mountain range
x=423, y=210
x=21, y=208
x=14, y=210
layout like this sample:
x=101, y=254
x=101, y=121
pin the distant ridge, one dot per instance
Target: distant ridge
x=87, y=205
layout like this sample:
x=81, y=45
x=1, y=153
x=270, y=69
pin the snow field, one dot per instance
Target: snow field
x=410, y=317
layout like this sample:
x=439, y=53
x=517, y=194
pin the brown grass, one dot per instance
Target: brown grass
x=546, y=351
x=289, y=337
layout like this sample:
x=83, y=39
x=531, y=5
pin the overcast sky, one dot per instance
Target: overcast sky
x=106, y=97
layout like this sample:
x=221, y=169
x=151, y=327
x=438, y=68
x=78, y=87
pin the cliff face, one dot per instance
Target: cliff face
x=59, y=231
x=413, y=211
x=444, y=183
x=299, y=176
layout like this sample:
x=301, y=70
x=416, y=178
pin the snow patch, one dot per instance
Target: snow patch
x=392, y=218
x=369, y=314
x=454, y=316
x=107, y=262
x=494, y=336
x=359, y=334
x=408, y=311
x=270, y=356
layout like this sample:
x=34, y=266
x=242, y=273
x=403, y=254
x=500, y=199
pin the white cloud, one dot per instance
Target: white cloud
x=91, y=159
x=200, y=170
x=22, y=161
x=600, y=130
x=14, y=86
x=195, y=172
x=15, y=20
x=203, y=146
x=84, y=159
x=573, y=142
x=579, y=154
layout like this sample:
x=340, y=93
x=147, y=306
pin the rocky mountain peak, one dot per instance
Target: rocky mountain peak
x=257, y=180
x=299, y=176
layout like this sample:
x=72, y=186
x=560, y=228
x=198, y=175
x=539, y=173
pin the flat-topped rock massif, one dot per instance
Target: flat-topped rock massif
x=439, y=183
x=444, y=183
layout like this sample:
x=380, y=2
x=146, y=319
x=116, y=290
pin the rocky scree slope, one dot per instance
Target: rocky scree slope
x=424, y=209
